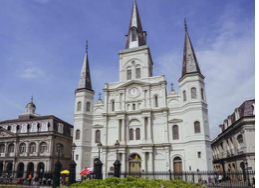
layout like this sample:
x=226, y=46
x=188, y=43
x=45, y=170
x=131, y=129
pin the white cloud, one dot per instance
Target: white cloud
x=228, y=63
x=29, y=70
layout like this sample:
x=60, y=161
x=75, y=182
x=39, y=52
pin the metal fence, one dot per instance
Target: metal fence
x=210, y=179
x=22, y=178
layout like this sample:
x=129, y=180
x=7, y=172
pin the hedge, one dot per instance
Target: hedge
x=133, y=182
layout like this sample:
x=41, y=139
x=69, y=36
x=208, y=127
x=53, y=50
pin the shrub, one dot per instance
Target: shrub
x=133, y=182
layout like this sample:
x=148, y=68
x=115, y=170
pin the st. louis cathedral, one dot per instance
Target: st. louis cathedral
x=157, y=131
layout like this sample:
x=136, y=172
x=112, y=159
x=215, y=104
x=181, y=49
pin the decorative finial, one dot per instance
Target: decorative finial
x=172, y=86
x=185, y=24
x=100, y=98
x=86, y=46
x=32, y=98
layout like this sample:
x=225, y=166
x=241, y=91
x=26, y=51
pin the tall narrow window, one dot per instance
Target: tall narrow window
x=97, y=136
x=134, y=106
x=133, y=34
x=202, y=94
x=138, y=134
x=199, y=154
x=138, y=73
x=113, y=105
x=22, y=148
x=128, y=74
x=88, y=105
x=79, y=105
x=197, y=127
x=131, y=134
x=43, y=147
x=77, y=134
x=175, y=132
x=193, y=93
x=2, y=148
x=184, y=95
x=156, y=100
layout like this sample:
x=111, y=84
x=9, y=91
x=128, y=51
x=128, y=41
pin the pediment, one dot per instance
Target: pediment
x=175, y=121
x=136, y=82
x=5, y=133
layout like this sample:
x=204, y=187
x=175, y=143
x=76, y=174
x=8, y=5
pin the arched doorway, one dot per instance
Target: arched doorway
x=1, y=168
x=9, y=167
x=134, y=163
x=242, y=166
x=30, y=169
x=40, y=169
x=177, y=168
x=20, y=170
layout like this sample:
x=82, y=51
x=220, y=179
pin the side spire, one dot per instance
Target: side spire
x=85, y=77
x=136, y=36
x=190, y=63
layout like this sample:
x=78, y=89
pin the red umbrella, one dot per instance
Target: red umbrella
x=86, y=171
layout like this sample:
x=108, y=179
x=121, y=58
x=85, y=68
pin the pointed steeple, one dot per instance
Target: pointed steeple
x=85, y=77
x=136, y=36
x=190, y=63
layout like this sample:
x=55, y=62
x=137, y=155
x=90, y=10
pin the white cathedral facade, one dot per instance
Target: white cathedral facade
x=157, y=130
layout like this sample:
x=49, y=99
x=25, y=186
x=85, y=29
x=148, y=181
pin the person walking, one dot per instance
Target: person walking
x=220, y=178
x=29, y=179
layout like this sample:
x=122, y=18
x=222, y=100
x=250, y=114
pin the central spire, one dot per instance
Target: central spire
x=85, y=77
x=136, y=36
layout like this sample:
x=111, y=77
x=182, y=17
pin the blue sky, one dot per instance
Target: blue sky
x=42, y=45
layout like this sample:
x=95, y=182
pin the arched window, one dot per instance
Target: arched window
x=43, y=147
x=22, y=148
x=184, y=95
x=131, y=134
x=97, y=136
x=193, y=93
x=156, y=100
x=197, y=127
x=129, y=74
x=138, y=134
x=2, y=148
x=134, y=34
x=77, y=134
x=79, y=106
x=138, y=73
x=113, y=105
x=32, y=147
x=240, y=140
x=11, y=148
x=202, y=94
x=134, y=106
x=175, y=132
x=88, y=105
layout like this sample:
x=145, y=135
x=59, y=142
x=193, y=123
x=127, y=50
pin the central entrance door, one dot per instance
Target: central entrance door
x=135, y=163
x=178, y=168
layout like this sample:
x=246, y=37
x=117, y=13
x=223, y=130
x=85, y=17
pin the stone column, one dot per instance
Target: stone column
x=143, y=131
x=105, y=171
x=143, y=165
x=166, y=133
x=150, y=161
x=149, y=129
x=123, y=162
x=167, y=158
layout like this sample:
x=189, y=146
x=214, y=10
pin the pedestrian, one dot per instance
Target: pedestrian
x=29, y=179
x=216, y=178
x=209, y=180
x=220, y=178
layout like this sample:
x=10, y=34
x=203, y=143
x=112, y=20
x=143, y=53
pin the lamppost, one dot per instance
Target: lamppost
x=248, y=179
x=56, y=178
x=72, y=167
x=117, y=163
x=98, y=164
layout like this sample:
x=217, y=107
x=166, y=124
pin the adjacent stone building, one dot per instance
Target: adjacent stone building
x=235, y=145
x=157, y=130
x=29, y=144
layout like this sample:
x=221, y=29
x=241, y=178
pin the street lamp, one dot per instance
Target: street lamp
x=58, y=150
x=117, y=146
x=99, y=146
x=117, y=163
x=248, y=179
x=72, y=167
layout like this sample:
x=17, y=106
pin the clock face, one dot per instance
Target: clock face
x=134, y=92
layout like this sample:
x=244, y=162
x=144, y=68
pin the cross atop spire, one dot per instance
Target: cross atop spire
x=85, y=77
x=86, y=46
x=100, y=96
x=31, y=98
x=190, y=63
x=185, y=25
x=136, y=36
x=172, y=86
